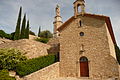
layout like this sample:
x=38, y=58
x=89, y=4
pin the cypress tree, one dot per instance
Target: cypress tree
x=39, y=31
x=27, y=31
x=22, y=35
x=17, y=31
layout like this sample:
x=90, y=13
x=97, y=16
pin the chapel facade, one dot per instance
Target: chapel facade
x=86, y=45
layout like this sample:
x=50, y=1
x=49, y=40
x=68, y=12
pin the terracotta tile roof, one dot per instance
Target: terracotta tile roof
x=102, y=17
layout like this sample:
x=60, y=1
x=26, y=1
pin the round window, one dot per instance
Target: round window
x=81, y=33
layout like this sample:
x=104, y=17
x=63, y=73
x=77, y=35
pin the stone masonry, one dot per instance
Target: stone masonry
x=87, y=46
x=48, y=73
x=96, y=49
x=30, y=48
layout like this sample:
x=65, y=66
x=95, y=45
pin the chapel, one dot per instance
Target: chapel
x=86, y=44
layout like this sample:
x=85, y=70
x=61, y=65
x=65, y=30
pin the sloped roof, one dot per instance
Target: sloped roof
x=106, y=18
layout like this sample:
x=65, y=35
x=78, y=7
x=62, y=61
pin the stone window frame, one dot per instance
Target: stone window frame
x=81, y=34
x=84, y=59
x=80, y=23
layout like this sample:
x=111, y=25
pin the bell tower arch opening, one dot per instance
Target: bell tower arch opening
x=79, y=7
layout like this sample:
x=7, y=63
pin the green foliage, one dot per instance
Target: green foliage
x=32, y=65
x=12, y=35
x=32, y=33
x=117, y=50
x=39, y=31
x=46, y=34
x=27, y=31
x=4, y=75
x=9, y=58
x=22, y=35
x=43, y=40
x=17, y=31
x=4, y=35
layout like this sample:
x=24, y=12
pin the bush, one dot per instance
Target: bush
x=12, y=35
x=9, y=58
x=43, y=40
x=46, y=34
x=31, y=33
x=4, y=35
x=4, y=75
x=32, y=65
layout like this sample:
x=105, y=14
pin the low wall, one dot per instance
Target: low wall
x=119, y=72
x=47, y=73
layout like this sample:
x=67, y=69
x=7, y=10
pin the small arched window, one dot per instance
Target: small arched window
x=83, y=59
x=79, y=8
x=80, y=23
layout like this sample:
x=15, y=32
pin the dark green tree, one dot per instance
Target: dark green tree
x=46, y=34
x=27, y=31
x=22, y=35
x=2, y=33
x=39, y=31
x=117, y=50
x=31, y=33
x=12, y=35
x=17, y=31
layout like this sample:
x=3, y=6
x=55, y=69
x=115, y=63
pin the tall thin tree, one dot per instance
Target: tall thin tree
x=22, y=35
x=17, y=31
x=39, y=31
x=27, y=30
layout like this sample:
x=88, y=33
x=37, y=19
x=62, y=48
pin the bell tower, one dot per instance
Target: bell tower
x=58, y=21
x=79, y=7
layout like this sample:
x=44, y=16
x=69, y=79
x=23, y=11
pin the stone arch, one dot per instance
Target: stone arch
x=78, y=8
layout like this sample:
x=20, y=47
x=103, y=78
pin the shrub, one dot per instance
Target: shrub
x=4, y=35
x=31, y=33
x=4, y=75
x=43, y=40
x=46, y=34
x=9, y=58
x=32, y=65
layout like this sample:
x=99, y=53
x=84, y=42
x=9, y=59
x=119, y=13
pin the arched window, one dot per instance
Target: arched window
x=79, y=8
x=80, y=22
x=83, y=59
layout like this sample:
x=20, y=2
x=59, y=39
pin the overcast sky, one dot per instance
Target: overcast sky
x=42, y=12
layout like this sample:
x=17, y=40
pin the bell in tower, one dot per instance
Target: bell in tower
x=79, y=7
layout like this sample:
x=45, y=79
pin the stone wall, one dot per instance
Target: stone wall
x=47, y=73
x=32, y=37
x=95, y=45
x=55, y=45
x=111, y=44
x=3, y=40
x=30, y=48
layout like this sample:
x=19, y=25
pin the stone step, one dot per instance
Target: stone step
x=71, y=78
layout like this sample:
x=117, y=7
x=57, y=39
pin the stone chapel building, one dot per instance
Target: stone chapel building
x=86, y=44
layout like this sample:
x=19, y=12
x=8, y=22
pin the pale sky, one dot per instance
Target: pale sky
x=42, y=12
